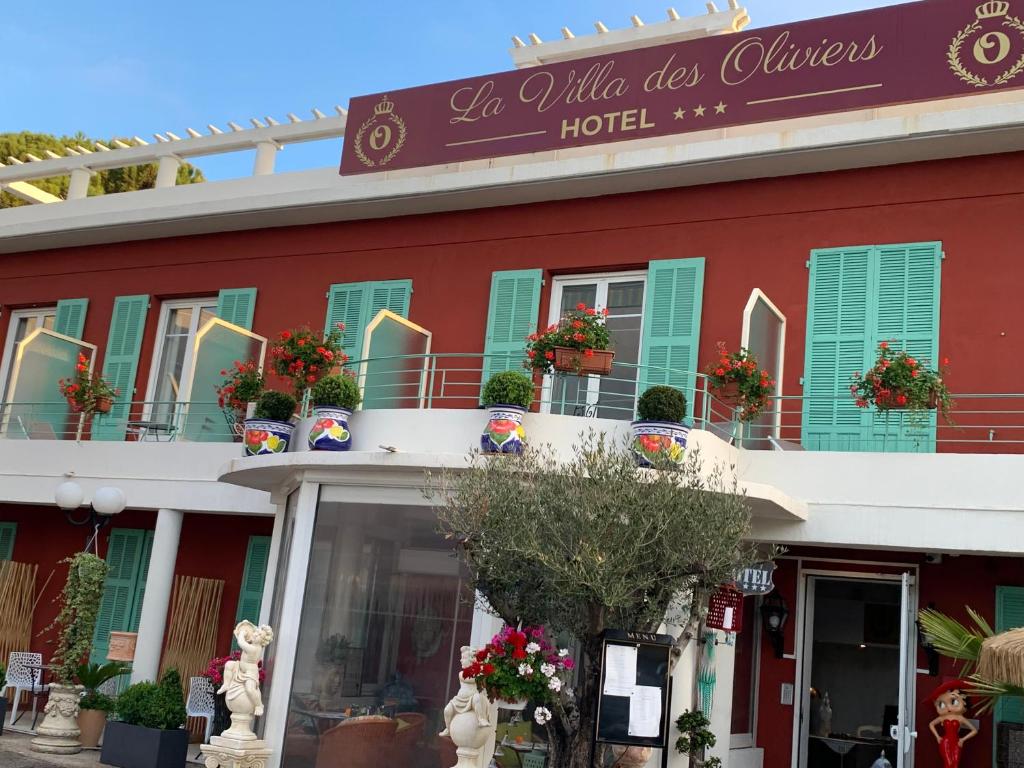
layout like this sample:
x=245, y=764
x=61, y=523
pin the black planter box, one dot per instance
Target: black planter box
x=132, y=746
x=3, y=713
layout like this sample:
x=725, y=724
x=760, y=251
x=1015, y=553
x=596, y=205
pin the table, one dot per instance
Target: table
x=860, y=753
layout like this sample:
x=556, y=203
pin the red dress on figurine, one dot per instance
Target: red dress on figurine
x=949, y=747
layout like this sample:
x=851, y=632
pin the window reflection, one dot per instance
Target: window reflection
x=385, y=615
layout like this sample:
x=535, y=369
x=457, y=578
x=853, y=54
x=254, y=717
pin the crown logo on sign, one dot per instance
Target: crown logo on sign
x=993, y=9
x=385, y=107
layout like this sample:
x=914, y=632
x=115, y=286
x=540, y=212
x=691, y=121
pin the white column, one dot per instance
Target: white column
x=266, y=154
x=167, y=171
x=157, y=599
x=721, y=711
x=79, y=185
x=683, y=675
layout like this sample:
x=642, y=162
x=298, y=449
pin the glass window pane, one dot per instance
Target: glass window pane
x=576, y=294
x=626, y=298
x=172, y=363
x=385, y=614
x=49, y=321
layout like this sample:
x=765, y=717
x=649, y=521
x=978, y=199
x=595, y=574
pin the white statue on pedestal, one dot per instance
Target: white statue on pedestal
x=470, y=720
x=238, y=745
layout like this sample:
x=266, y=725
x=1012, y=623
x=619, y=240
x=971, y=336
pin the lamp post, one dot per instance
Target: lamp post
x=107, y=501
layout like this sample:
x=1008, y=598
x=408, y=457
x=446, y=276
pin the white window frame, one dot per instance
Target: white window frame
x=603, y=279
x=12, y=325
x=158, y=347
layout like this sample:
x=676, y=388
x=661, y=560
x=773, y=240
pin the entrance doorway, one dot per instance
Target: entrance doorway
x=857, y=671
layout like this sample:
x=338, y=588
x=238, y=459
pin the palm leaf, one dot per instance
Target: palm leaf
x=954, y=640
x=990, y=691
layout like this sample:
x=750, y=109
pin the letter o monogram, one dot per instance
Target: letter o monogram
x=983, y=48
x=380, y=137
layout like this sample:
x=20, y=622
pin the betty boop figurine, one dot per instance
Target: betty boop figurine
x=950, y=705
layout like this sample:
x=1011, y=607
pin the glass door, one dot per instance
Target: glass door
x=179, y=323
x=905, y=733
x=607, y=397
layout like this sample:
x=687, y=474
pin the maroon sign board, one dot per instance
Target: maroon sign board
x=918, y=51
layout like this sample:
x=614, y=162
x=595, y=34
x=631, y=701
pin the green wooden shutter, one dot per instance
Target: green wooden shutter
x=908, y=314
x=121, y=362
x=123, y=556
x=237, y=305
x=1009, y=615
x=511, y=316
x=7, y=533
x=70, y=318
x=251, y=595
x=838, y=322
x=140, y=584
x=671, y=331
x=356, y=304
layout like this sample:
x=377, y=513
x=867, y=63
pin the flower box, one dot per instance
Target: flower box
x=570, y=360
x=133, y=746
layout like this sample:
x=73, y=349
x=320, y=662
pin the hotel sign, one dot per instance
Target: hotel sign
x=903, y=53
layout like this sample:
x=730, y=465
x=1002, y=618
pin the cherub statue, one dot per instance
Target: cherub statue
x=241, y=686
x=468, y=699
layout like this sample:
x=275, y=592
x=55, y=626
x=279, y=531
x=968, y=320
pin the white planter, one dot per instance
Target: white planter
x=58, y=733
x=512, y=706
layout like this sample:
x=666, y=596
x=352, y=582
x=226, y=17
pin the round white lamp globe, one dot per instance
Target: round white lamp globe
x=109, y=501
x=69, y=495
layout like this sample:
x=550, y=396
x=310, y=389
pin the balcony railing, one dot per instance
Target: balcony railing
x=983, y=423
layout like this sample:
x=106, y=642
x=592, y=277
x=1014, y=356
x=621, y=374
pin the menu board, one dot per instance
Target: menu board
x=633, y=706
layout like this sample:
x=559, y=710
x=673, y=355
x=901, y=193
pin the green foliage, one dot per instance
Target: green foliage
x=98, y=701
x=153, y=705
x=76, y=619
x=697, y=735
x=582, y=328
x=662, y=403
x=92, y=676
x=21, y=144
x=508, y=388
x=337, y=391
x=740, y=368
x=898, y=380
x=276, y=406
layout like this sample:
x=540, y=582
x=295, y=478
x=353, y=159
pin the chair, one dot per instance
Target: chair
x=534, y=760
x=24, y=675
x=407, y=737
x=200, y=702
x=357, y=743
x=447, y=754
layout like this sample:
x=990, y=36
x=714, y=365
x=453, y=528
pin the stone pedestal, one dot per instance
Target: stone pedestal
x=58, y=733
x=224, y=752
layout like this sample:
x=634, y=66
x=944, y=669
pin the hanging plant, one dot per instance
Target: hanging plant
x=737, y=380
x=899, y=381
x=76, y=619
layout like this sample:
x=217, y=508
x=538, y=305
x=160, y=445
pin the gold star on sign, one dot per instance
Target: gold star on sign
x=720, y=108
x=699, y=111
x=680, y=113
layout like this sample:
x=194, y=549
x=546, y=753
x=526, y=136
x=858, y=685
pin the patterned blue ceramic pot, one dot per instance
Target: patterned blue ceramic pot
x=330, y=431
x=656, y=443
x=504, y=432
x=266, y=436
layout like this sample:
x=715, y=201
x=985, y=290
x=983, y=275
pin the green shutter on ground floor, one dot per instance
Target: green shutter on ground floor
x=140, y=583
x=671, y=326
x=70, y=319
x=250, y=597
x=121, y=589
x=121, y=363
x=7, y=533
x=859, y=297
x=512, y=312
x=1009, y=615
x=356, y=304
x=236, y=306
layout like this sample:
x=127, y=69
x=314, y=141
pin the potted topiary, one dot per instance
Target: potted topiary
x=94, y=706
x=148, y=732
x=271, y=427
x=334, y=398
x=659, y=436
x=507, y=395
x=76, y=620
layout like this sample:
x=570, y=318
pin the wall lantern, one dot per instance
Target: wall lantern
x=106, y=502
x=773, y=616
x=930, y=651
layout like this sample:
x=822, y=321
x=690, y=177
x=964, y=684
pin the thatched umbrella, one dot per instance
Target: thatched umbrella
x=1002, y=658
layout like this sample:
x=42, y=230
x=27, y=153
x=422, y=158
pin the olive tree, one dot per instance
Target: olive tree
x=590, y=543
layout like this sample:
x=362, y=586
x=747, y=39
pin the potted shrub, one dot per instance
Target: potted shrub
x=899, y=381
x=271, y=427
x=76, y=622
x=659, y=436
x=334, y=398
x=508, y=396
x=148, y=732
x=304, y=356
x=94, y=706
x=242, y=386
x=738, y=381
x=578, y=343
x=87, y=394
x=520, y=667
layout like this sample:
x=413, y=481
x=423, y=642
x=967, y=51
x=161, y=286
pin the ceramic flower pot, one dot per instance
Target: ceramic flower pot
x=512, y=706
x=728, y=393
x=58, y=733
x=330, y=430
x=91, y=723
x=657, y=442
x=265, y=436
x=504, y=431
x=104, y=404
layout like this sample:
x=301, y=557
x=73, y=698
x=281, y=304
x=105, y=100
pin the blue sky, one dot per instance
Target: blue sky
x=153, y=67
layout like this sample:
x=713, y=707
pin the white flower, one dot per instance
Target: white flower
x=563, y=652
x=533, y=648
x=555, y=684
x=542, y=715
x=548, y=669
x=525, y=669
